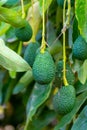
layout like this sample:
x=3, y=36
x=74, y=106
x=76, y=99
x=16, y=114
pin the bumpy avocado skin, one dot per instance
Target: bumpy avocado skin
x=24, y=33
x=61, y=3
x=43, y=68
x=30, y=52
x=59, y=74
x=79, y=50
x=64, y=100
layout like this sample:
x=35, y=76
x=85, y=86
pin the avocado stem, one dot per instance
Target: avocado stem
x=33, y=37
x=64, y=49
x=23, y=11
x=43, y=45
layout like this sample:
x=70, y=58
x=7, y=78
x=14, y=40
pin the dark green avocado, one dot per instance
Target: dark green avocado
x=79, y=50
x=24, y=33
x=64, y=100
x=30, y=52
x=43, y=68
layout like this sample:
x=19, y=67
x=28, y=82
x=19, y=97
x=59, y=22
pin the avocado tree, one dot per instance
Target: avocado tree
x=43, y=63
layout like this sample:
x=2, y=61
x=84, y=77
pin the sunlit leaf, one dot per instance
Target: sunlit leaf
x=81, y=15
x=11, y=60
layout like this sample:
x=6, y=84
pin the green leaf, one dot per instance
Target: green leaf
x=11, y=60
x=12, y=74
x=81, y=122
x=47, y=4
x=25, y=80
x=81, y=15
x=39, y=95
x=12, y=17
x=2, y=2
x=67, y=118
x=80, y=87
x=82, y=74
x=45, y=118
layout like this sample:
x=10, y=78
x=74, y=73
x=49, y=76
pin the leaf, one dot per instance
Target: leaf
x=81, y=15
x=2, y=2
x=12, y=17
x=47, y=4
x=81, y=122
x=82, y=74
x=25, y=80
x=39, y=95
x=11, y=60
x=80, y=87
x=67, y=118
x=43, y=120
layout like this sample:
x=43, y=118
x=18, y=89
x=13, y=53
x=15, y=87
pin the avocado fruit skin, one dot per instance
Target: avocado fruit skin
x=64, y=100
x=79, y=50
x=30, y=52
x=24, y=33
x=43, y=68
x=61, y=3
x=59, y=74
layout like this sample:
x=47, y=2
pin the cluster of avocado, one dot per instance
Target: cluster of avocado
x=43, y=68
x=79, y=50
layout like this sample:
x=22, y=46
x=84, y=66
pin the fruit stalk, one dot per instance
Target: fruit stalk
x=23, y=12
x=33, y=20
x=64, y=49
x=43, y=45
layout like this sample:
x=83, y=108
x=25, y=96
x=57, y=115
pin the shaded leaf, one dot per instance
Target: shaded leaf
x=67, y=118
x=23, y=82
x=81, y=122
x=45, y=118
x=81, y=15
x=80, y=87
x=39, y=95
x=82, y=74
x=11, y=60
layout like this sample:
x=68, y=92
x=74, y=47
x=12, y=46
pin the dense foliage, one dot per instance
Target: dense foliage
x=33, y=91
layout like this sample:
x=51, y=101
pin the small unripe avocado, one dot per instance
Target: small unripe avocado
x=64, y=100
x=24, y=33
x=59, y=74
x=30, y=52
x=43, y=68
x=79, y=50
x=61, y=3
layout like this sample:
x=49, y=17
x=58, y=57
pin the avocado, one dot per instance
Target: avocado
x=64, y=100
x=61, y=3
x=30, y=52
x=79, y=50
x=43, y=68
x=24, y=33
x=59, y=74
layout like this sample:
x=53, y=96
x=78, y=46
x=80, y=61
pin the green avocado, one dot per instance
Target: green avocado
x=64, y=100
x=59, y=74
x=61, y=3
x=24, y=33
x=79, y=50
x=43, y=68
x=30, y=52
